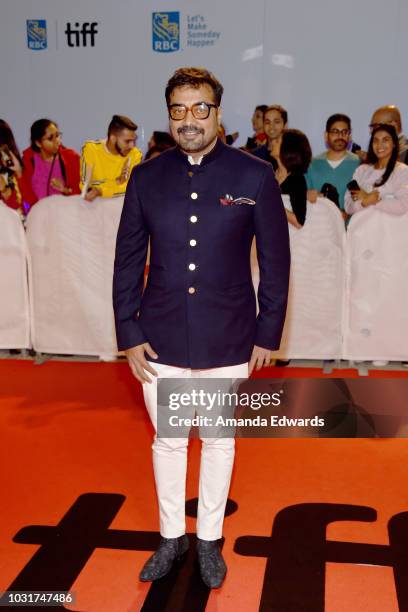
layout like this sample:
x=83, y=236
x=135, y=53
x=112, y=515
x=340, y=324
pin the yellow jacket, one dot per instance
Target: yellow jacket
x=110, y=173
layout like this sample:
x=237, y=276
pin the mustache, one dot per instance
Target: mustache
x=189, y=128
x=341, y=140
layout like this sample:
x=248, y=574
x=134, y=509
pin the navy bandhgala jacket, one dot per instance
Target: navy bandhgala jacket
x=198, y=309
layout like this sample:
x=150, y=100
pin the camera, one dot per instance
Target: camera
x=353, y=186
x=330, y=192
x=6, y=165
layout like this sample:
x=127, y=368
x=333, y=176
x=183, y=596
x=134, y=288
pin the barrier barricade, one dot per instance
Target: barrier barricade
x=348, y=295
x=376, y=287
x=14, y=304
x=314, y=315
x=72, y=247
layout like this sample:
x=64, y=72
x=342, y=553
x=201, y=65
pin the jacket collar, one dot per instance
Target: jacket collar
x=214, y=154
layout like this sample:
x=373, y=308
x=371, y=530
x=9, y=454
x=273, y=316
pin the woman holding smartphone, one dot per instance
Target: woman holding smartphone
x=382, y=181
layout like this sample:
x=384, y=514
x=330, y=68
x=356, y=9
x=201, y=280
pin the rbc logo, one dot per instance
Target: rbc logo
x=166, y=32
x=36, y=34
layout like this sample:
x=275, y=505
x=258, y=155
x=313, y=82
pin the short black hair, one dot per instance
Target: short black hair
x=261, y=107
x=194, y=77
x=160, y=148
x=119, y=123
x=295, y=151
x=338, y=117
x=163, y=138
x=38, y=130
x=279, y=109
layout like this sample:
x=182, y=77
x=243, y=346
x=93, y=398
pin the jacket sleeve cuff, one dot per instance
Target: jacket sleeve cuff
x=270, y=341
x=129, y=334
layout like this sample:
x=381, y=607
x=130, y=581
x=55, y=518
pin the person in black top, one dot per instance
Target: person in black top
x=295, y=157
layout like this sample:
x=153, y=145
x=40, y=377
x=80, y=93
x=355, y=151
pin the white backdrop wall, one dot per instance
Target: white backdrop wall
x=314, y=58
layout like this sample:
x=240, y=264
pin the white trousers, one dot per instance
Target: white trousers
x=170, y=463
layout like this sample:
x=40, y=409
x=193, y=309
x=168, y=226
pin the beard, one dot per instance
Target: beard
x=120, y=150
x=187, y=138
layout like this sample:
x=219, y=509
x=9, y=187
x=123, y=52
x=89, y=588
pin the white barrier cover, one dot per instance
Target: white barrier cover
x=14, y=305
x=376, y=293
x=72, y=248
x=314, y=315
x=72, y=243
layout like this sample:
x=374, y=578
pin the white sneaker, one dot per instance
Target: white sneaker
x=379, y=363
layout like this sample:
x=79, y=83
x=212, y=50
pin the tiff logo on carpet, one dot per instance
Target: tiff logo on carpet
x=296, y=552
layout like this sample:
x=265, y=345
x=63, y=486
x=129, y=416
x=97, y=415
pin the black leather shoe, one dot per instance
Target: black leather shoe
x=161, y=562
x=211, y=562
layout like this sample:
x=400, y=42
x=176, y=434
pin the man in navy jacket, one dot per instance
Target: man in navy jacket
x=200, y=204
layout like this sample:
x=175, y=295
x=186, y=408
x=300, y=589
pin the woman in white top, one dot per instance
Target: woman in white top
x=382, y=179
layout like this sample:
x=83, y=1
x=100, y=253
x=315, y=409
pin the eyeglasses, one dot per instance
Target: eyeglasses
x=53, y=136
x=336, y=132
x=199, y=110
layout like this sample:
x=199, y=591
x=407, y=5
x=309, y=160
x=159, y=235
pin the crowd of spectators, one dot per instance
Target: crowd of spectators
x=352, y=180
x=345, y=174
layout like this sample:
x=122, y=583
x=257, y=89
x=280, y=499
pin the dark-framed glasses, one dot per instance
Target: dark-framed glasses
x=199, y=110
x=336, y=132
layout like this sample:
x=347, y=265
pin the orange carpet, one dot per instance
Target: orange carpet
x=75, y=453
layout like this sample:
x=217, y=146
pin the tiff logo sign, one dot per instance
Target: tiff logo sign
x=78, y=35
x=296, y=553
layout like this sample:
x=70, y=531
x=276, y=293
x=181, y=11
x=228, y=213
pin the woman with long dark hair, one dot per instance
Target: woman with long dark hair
x=295, y=157
x=49, y=167
x=11, y=168
x=382, y=181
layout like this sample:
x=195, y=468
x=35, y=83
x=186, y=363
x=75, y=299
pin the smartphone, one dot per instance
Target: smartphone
x=5, y=157
x=353, y=186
